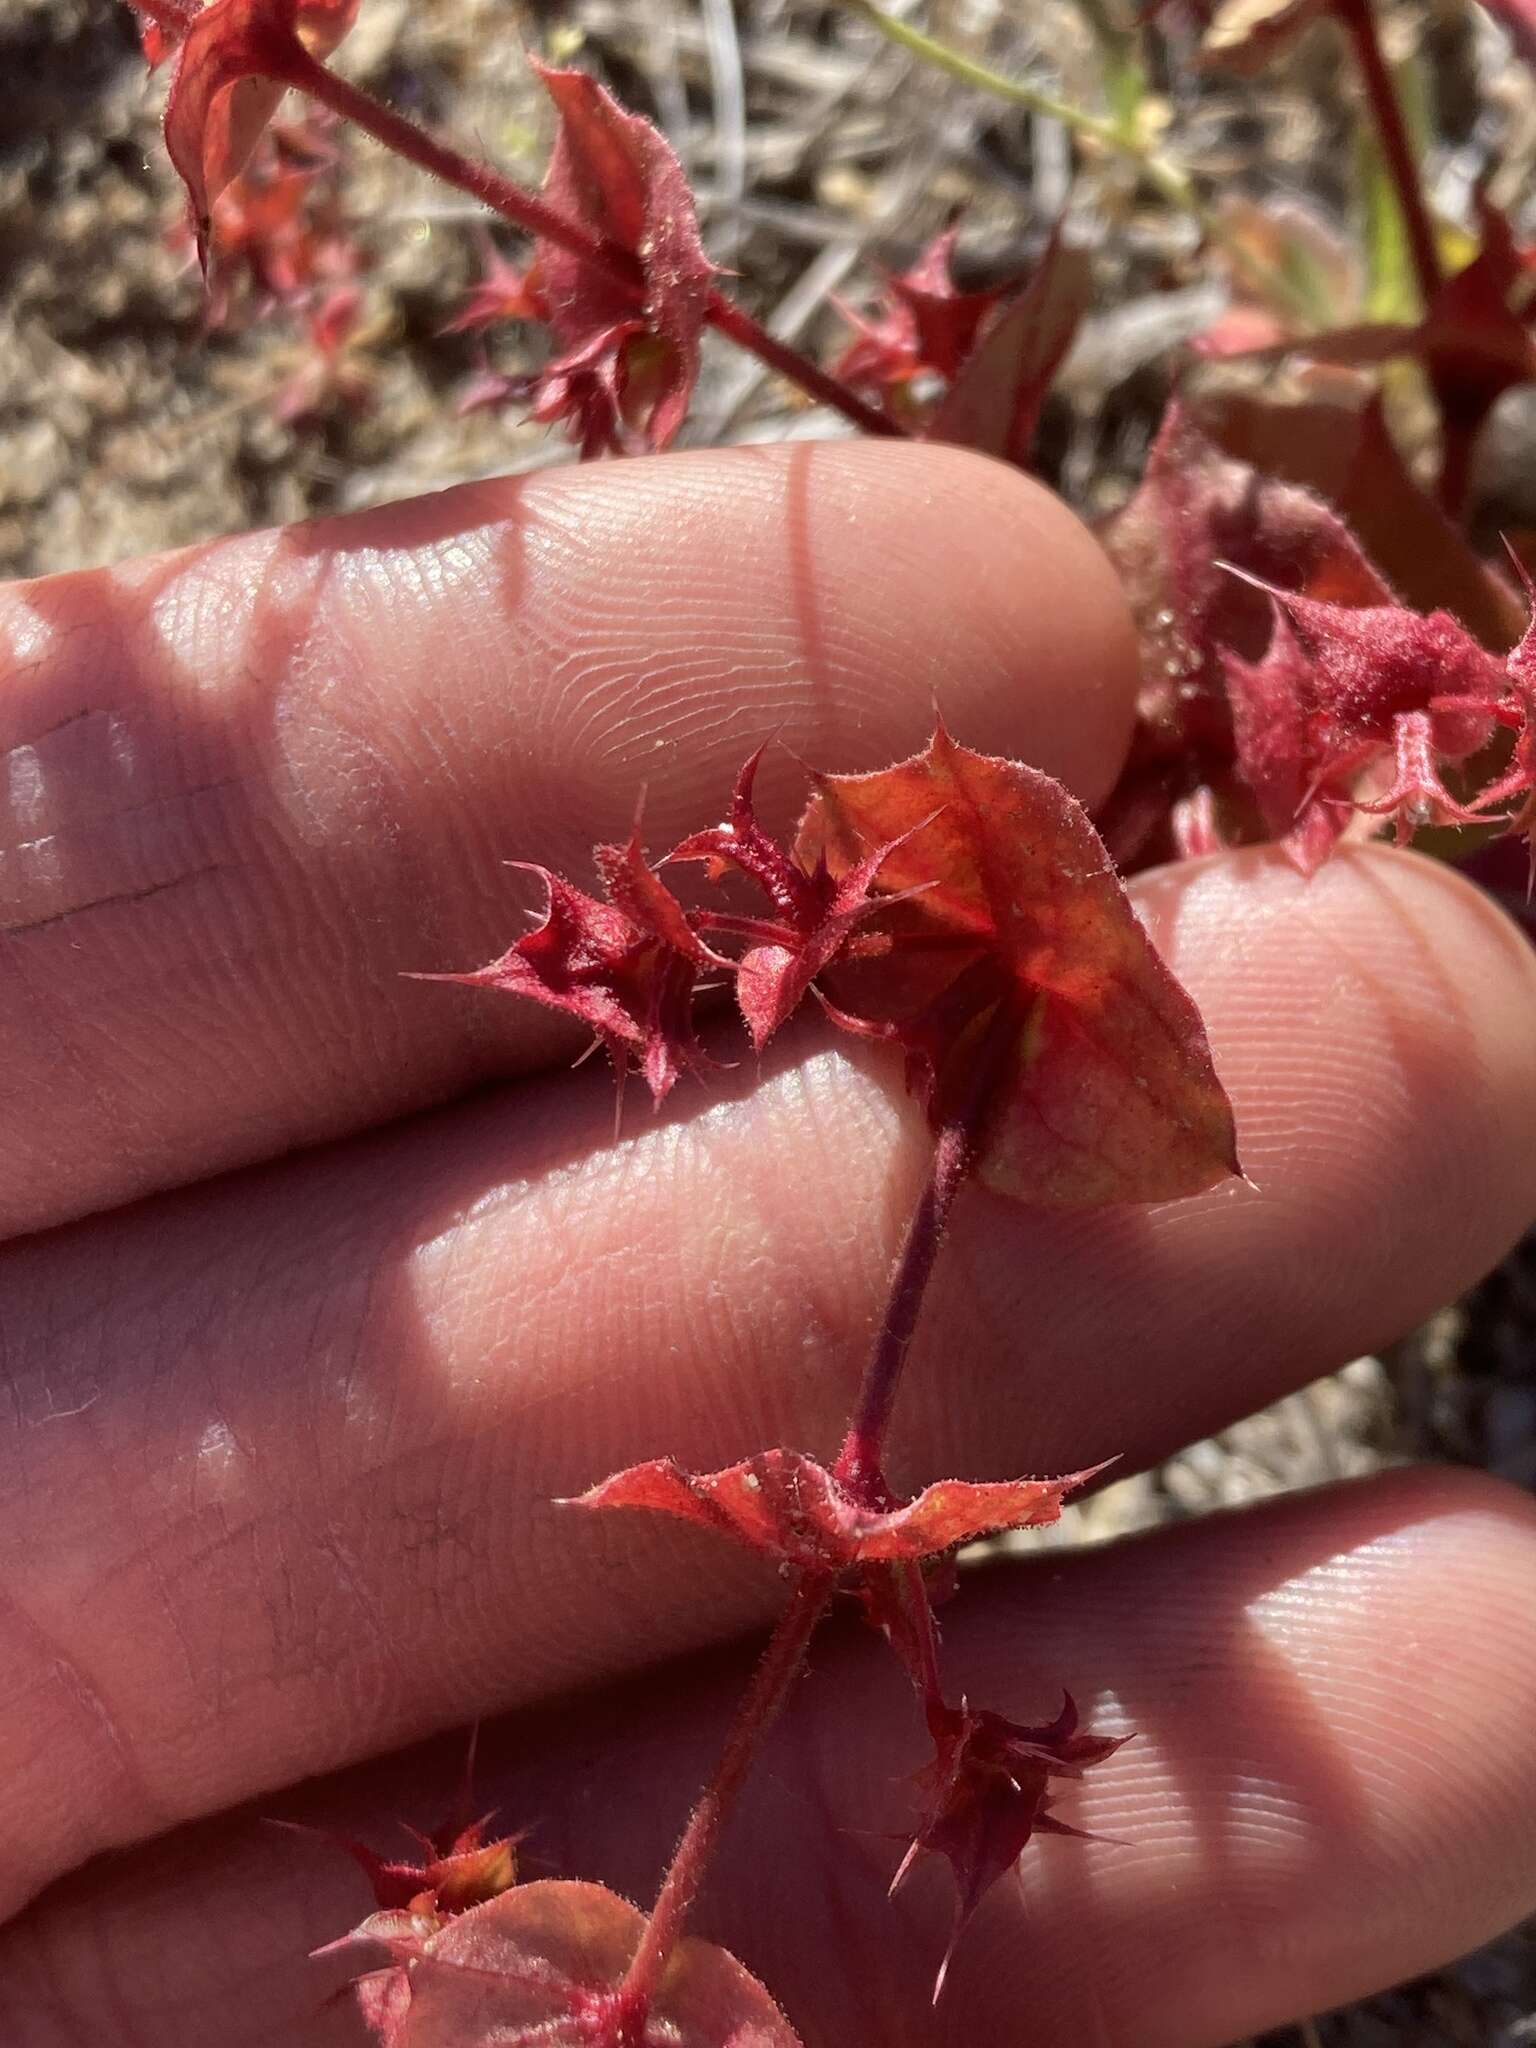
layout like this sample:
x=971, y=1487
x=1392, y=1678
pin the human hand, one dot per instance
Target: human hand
x=280, y=1448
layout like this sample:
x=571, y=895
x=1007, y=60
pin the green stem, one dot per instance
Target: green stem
x=1167, y=177
x=1092, y=126
x=1359, y=24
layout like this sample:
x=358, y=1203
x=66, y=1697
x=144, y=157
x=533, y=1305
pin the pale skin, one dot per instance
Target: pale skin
x=277, y=1449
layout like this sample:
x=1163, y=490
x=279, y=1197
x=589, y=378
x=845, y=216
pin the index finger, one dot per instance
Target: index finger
x=251, y=782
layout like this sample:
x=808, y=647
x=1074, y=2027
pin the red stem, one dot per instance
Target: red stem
x=859, y=1462
x=527, y=211
x=909, y=1578
x=1454, y=482
x=858, y=1465
x=859, y=1470
x=759, y=1709
x=737, y=325
x=501, y=194
x=1359, y=24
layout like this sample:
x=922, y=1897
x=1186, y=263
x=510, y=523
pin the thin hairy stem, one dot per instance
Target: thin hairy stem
x=925, y=1634
x=760, y=1707
x=527, y=211
x=737, y=325
x=503, y=195
x=859, y=1470
x=859, y=1465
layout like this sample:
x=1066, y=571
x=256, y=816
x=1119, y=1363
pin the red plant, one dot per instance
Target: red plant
x=1326, y=657
x=960, y=908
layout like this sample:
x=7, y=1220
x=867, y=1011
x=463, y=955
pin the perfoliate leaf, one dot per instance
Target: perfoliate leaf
x=793, y=1510
x=1339, y=449
x=1228, y=486
x=950, y=903
x=1196, y=508
x=1372, y=663
x=383, y=2000
x=1347, y=690
x=541, y=1967
x=1270, y=702
x=1105, y=1092
x=1199, y=507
